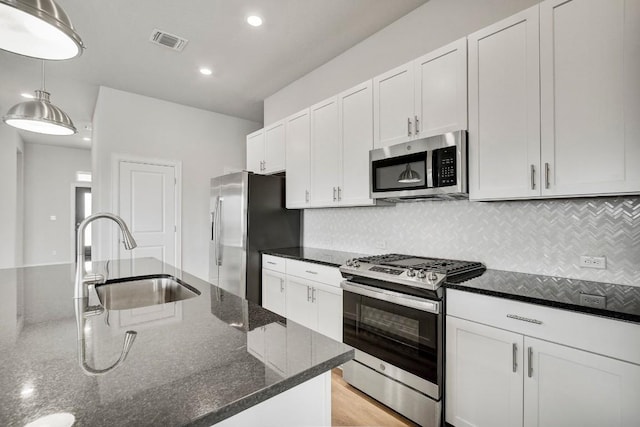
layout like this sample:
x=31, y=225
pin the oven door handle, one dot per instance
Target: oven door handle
x=392, y=297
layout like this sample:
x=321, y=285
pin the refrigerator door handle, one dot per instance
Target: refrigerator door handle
x=219, y=238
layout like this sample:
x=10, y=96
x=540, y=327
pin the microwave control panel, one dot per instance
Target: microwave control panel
x=444, y=164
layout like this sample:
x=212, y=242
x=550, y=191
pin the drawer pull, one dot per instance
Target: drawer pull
x=311, y=272
x=271, y=262
x=524, y=319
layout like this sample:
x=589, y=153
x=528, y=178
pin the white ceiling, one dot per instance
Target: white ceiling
x=249, y=63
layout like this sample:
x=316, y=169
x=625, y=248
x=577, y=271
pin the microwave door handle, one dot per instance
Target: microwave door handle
x=430, y=169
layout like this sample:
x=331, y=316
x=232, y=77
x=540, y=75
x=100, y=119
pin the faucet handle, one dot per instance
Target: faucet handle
x=93, y=279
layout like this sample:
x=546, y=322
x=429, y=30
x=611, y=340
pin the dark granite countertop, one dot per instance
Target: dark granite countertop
x=318, y=256
x=622, y=302
x=189, y=364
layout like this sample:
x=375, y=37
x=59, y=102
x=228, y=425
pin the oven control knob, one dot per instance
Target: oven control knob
x=432, y=277
x=382, y=367
x=355, y=264
x=410, y=272
x=349, y=262
x=421, y=274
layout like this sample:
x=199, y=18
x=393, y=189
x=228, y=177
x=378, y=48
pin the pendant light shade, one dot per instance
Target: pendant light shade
x=40, y=115
x=409, y=175
x=39, y=29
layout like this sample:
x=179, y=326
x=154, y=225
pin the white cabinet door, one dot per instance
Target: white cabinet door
x=356, y=135
x=441, y=90
x=298, y=146
x=483, y=375
x=274, y=148
x=590, y=92
x=569, y=387
x=255, y=151
x=504, y=109
x=393, y=106
x=329, y=312
x=325, y=153
x=274, y=291
x=300, y=307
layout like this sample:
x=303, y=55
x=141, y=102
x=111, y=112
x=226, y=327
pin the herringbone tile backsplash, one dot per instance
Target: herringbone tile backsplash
x=542, y=237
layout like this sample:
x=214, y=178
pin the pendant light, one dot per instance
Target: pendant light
x=409, y=175
x=40, y=115
x=39, y=29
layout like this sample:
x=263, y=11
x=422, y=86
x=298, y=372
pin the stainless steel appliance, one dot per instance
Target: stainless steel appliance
x=393, y=317
x=429, y=168
x=248, y=215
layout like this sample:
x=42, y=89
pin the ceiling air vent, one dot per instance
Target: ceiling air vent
x=168, y=40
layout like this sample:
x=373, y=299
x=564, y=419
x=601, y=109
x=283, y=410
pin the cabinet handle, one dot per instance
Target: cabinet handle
x=546, y=175
x=306, y=195
x=334, y=194
x=311, y=272
x=524, y=319
x=281, y=285
x=339, y=195
x=408, y=126
x=261, y=165
x=417, y=125
x=308, y=293
x=515, y=357
x=313, y=294
x=533, y=177
x=530, y=362
x=271, y=262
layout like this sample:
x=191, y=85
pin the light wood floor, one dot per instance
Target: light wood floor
x=351, y=407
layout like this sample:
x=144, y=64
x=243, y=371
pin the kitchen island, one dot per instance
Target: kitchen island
x=190, y=363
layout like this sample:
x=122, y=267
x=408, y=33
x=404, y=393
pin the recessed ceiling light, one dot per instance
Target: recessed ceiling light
x=86, y=138
x=254, y=21
x=206, y=71
x=27, y=95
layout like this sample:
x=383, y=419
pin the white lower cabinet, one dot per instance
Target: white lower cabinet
x=274, y=291
x=306, y=293
x=499, y=377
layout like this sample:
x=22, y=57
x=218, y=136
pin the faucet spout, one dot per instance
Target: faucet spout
x=127, y=237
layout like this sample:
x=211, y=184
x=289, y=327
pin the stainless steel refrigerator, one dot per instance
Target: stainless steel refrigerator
x=248, y=215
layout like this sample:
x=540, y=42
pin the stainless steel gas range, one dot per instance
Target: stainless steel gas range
x=393, y=316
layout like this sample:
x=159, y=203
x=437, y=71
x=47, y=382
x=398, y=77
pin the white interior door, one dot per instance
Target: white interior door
x=147, y=203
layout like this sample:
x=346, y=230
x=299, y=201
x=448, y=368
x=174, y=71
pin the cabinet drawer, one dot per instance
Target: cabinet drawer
x=316, y=272
x=600, y=335
x=273, y=263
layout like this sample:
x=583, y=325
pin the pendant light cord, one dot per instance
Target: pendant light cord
x=43, y=76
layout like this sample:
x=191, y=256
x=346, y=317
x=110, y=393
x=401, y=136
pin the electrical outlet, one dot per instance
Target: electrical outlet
x=381, y=244
x=593, y=262
x=597, y=301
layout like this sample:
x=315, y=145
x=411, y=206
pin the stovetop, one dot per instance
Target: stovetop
x=408, y=270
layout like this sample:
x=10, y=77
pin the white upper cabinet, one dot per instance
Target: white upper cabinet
x=554, y=102
x=274, y=148
x=424, y=97
x=298, y=155
x=393, y=106
x=441, y=90
x=504, y=109
x=355, y=108
x=325, y=153
x=255, y=151
x=590, y=96
x=266, y=149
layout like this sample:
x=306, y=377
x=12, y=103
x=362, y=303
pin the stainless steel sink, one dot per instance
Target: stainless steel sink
x=134, y=292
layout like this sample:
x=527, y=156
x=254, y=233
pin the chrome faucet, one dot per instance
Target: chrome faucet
x=83, y=280
x=81, y=294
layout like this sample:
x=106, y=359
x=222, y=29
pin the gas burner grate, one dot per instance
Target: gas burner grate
x=449, y=267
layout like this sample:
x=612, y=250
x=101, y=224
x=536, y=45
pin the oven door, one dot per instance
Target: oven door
x=402, y=330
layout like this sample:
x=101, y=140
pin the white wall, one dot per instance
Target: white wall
x=10, y=234
x=49, y=172
x=426, y=28
x=208, y=144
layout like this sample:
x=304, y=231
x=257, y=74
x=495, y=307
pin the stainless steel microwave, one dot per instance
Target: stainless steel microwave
x=428, y=168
